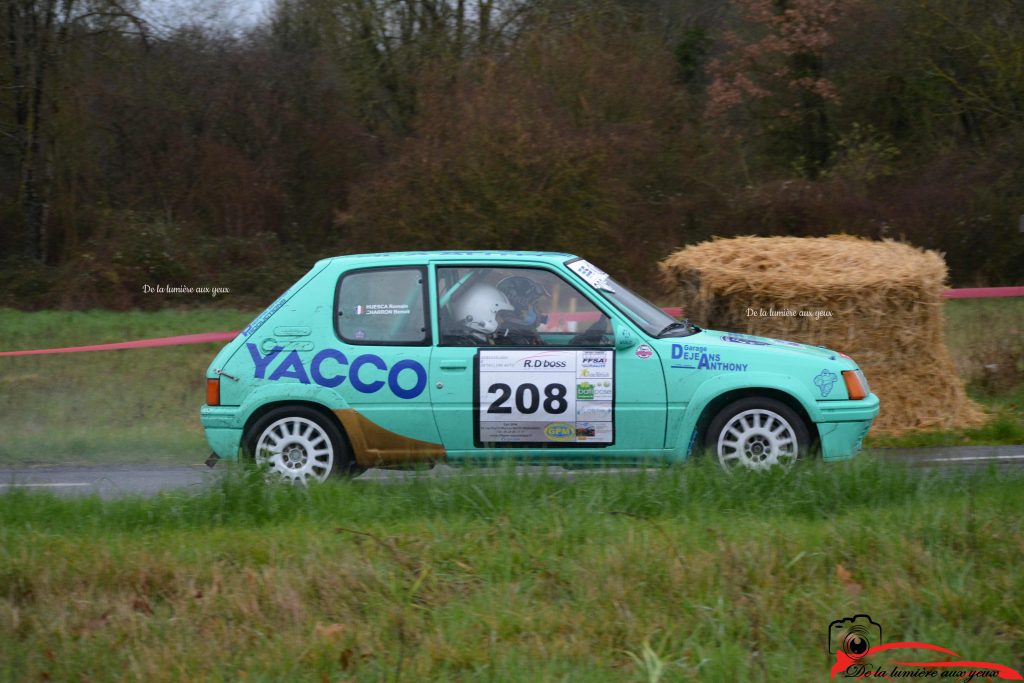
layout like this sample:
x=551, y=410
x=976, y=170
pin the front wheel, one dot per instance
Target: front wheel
x=298, y=444
x=757, y=433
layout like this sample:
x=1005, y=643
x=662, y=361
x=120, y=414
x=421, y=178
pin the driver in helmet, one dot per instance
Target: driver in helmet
x=504, y=315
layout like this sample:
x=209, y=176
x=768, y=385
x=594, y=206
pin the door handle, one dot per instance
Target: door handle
x=454, y=365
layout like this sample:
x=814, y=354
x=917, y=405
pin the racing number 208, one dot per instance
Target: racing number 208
x=527, y=398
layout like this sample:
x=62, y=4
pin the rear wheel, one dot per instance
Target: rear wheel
x=757, y=433
x=299, y=444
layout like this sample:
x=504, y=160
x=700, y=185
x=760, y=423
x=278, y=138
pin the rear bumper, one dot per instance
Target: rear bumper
x=223, y=431
x=844, y=425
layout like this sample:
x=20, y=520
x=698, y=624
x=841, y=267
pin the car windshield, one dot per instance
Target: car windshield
x=649, y=317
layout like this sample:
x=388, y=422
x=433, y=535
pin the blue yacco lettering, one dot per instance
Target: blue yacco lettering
x=317, y=373
x=361, y=379
x=421, y=379
x=357, y=383
x=291, y=366
x=261, y=362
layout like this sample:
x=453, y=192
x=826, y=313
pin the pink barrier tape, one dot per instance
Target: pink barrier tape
x=202, y=338
x=983, y=292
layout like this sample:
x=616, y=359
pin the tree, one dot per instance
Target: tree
x=776, y=76
x=39, y=35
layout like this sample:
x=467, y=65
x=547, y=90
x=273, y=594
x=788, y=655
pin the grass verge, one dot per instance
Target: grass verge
x=138, y=405
x=681, y=574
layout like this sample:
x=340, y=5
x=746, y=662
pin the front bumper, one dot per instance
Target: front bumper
x=844, y=425
x=223, y=431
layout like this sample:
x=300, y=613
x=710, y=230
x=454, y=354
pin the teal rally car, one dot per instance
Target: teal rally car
x=400, y=359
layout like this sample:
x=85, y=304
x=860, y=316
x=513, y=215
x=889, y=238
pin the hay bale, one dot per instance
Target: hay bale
x=880, y=302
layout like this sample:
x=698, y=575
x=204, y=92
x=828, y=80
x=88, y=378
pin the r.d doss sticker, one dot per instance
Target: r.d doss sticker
x=545, y=397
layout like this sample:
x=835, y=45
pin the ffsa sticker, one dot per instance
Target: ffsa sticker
x=534, y=397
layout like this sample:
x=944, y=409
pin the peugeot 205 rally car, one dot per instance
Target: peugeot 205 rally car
x=389, y=360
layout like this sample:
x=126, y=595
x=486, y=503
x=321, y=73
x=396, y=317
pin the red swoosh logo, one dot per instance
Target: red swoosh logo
x=844, y=661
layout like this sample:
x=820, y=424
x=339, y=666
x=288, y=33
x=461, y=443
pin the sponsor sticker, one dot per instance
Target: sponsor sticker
x=560, y=431
x=594, y=276
x=382, y=309
x=595, y=364
x=593, y=432
x=594, y=390
x=644, y=351
x=825, y=380
x=594, y=411
x=697, y=358
x=367, y=373
x=264, y=316
x=744, y=339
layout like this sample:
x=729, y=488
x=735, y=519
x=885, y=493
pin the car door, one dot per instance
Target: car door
x=381, y=368
x=525, y=364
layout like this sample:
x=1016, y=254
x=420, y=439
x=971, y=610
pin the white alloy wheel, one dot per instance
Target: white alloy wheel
x=297, y=449
x=757, y=439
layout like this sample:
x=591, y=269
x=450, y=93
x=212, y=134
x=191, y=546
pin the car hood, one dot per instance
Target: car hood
x=752, y=342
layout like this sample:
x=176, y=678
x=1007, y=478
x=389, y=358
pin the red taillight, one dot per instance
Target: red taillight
x=213, y=392
x=854, y=387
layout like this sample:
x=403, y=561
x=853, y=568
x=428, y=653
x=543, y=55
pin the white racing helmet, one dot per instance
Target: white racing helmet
x=477, y=309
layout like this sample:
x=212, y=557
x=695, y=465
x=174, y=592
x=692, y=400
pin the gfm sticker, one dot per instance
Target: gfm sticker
x=644, y=351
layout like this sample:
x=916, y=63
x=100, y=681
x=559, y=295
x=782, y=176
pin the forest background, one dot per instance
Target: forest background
x=202, y=154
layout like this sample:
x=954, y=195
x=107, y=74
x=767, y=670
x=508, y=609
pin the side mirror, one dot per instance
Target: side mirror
x=624, y=337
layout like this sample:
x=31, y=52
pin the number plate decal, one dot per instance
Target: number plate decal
x=541, y=397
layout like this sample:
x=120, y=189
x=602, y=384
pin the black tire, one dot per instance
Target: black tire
x=758, y=433
x=300, y=444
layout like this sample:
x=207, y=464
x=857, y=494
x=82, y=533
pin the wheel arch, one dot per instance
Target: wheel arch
x=319, y=408
x=715, y=405
x=718, y=392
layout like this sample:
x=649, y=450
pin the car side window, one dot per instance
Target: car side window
x=383, y=306
x=484, y=306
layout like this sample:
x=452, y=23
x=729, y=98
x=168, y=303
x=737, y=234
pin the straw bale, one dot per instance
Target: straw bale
x=880, y=302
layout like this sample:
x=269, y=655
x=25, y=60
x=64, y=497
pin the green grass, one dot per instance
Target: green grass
x=138, y=405
x=985, y=337
x=685, y=572
x=142, y=405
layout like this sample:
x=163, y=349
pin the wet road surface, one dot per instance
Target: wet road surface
x=112, y=481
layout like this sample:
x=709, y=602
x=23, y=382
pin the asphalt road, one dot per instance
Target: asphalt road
x=112, y=481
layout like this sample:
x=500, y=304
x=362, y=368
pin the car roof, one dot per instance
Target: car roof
x=483, y=256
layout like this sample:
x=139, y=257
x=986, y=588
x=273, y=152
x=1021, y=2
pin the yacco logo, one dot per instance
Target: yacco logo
x=325, y=375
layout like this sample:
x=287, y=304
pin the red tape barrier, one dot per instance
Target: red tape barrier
x=983, y=292
x=180, y=340
x=210, y=337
